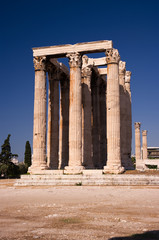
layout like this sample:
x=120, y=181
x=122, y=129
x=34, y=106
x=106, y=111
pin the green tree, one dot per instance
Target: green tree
x=7, y=167
x=27, y=155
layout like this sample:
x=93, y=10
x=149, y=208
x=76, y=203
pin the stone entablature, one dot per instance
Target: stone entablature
x=63, y=50
x=88, y=132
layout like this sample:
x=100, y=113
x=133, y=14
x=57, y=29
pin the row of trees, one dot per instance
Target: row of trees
x=7, y=167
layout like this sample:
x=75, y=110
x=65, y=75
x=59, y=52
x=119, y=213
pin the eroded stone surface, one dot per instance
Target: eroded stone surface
x=91, y=124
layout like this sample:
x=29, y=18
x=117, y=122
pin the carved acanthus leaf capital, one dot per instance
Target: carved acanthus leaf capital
x=144, y=133
x=85, y=61
x=86, y=72
x=112, y=56
x=137, y=125
x=127, y=76
x=39, y=63
x=74, y=59
x=122, y=67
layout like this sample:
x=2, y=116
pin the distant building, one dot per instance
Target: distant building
x=15, y=160
x=153, y=152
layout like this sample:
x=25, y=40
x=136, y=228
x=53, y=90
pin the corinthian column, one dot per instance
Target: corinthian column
x=64, y=123
x=53, y=118
x=129, y=119
x=144, y=144
x=86, y=117
x=75, y=116
x=39, y=132
x=123, y=117
x=95, y=120
x=102, y=123
x=113, y=113
x=139, y=161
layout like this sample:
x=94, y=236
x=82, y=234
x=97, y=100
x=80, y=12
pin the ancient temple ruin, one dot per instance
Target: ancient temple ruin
x=87, y=121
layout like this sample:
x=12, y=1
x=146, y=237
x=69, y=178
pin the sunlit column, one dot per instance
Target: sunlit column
x=75, y=116
x=39, y=132
x=113, y=113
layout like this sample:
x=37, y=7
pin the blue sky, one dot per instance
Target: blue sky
x=133, y=26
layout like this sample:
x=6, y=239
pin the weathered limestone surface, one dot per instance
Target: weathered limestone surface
x=129, y=118
x=102, y=71
x=89, y=177
x=95, y=119
x=64, y=123
x=144, y=144
x=113, y=113
x=139, y=161
x=123, y=113
x=75, y=115
x=86, y=118
x=39, y=132
x=102, y=124
x=53, y=119
x=95, y=110
x=63, y=50
x=93, y=62
x=137, y=141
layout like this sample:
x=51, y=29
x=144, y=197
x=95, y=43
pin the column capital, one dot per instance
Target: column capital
x=127, y=76
x=39, y=63
x=144, y=133
x=122, y=67
x=137, y=125
x=85, y=61
x=86, y=72
x=112, y=56
x=75, y=59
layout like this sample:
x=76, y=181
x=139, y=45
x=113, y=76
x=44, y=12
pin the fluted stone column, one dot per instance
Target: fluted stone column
x=137, y=141
x=75, y=116
x=102, y=124
x=123, y=114
x=129, y=119
x=113, y=113
x=144, y=144
x=39, y=132
x=64, y=123
x=95, y=120
x=53, y=119
x=86, y=118
x=139, y=161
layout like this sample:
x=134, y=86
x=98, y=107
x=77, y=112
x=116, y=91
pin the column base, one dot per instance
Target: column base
x=116, y=169
x=37, y=169
x=73, y=170
x=140, y=165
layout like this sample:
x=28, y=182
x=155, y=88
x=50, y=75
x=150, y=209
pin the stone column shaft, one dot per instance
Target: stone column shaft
x=64, y=123
x=139, y=161
x=113, y=113
x=144, y=144
x=86, y=117
x=129, y=116
x=95, y=120
x=75, y=115
x=39, y=132
x=53, y=120
x=137, y=141
x=102, y=124
x=123, y=114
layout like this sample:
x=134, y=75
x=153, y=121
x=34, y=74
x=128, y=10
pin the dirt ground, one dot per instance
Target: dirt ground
x=78, y=212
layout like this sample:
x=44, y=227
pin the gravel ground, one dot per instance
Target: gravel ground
x=78, y=212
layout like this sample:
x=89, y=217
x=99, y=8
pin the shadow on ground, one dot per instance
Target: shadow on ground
x=151, y=235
